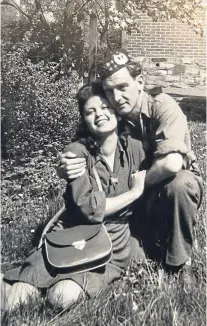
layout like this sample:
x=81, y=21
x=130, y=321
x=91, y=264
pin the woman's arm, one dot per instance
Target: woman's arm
x=93, y=204
x=117, y=203
x=81, y=196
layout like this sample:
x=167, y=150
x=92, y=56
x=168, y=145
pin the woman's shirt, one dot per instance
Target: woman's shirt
x=83, y=198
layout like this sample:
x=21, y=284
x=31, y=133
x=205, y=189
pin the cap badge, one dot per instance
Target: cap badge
x=120, y=58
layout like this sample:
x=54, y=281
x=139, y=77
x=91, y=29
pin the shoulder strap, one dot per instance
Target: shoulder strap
x=98, y=181
x=50, y=223
x=100, y=188
x=62, y=209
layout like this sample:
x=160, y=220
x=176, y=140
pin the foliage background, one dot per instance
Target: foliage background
x=44, y=54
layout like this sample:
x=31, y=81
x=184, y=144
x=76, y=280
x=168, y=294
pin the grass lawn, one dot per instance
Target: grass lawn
x=145, y=295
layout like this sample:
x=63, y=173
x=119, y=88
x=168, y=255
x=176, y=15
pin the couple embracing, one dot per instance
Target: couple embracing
x=140, y=146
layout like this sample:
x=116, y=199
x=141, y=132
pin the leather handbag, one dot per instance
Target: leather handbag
x=79, y=248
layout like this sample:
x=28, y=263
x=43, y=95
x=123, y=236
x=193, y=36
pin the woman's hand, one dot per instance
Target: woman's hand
x=115, y=204
x=138, y=182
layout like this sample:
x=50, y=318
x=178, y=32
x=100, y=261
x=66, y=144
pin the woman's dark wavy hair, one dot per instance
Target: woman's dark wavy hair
x=83, y=135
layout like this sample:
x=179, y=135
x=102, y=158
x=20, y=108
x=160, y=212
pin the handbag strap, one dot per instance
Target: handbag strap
x=50, y=223
x=62, y=209
x=98, y=181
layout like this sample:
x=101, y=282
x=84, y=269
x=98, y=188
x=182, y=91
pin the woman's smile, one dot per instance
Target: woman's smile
x=101, y=121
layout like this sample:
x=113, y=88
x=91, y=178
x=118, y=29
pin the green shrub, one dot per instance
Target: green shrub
x=39, y=110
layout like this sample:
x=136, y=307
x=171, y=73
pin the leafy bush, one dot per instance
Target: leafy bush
x=35, y=179
x=38, y=105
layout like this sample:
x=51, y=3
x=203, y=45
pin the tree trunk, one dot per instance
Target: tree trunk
x=92, y=47
x=66, y=35
x=42, y=17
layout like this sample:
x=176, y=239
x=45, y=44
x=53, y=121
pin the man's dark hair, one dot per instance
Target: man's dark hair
x=134, y=69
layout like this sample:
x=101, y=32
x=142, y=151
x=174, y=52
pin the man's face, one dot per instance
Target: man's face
x=122, y=91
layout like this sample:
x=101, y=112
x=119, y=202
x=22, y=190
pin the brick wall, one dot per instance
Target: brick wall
x=172, y=54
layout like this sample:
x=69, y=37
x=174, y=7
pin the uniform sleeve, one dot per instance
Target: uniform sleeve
x=89, y=202
x=170, y=125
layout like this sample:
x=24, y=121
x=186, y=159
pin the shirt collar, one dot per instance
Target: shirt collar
x=120, y=150
x=148, y=99
x=146, y=104
x=145, y=107
x=120, y=147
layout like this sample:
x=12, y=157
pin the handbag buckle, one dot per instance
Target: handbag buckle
x=79, y=244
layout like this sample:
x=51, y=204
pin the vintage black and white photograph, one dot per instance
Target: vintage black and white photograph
x=103, y=163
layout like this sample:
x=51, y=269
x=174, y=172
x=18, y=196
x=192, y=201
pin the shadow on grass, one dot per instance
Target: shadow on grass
x=193, y=107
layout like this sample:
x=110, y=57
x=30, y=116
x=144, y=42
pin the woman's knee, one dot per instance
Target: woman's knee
x=5, y=290
x=64, y=293
x=19, y=292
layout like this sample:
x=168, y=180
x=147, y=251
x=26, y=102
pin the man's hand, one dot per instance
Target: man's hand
x=71, y=167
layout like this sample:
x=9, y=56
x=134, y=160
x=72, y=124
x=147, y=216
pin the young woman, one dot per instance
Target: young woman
x=116, y=159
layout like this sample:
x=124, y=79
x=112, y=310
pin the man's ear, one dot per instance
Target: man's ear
x=140, y=82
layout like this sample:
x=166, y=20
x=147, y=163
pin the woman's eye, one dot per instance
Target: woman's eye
x=89, y=112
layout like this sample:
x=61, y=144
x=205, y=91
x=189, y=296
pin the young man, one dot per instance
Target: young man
x=173, y=183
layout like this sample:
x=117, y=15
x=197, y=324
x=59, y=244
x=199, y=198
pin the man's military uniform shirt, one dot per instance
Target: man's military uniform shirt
x=162, y=127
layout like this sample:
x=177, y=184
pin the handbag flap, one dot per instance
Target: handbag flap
x=68, y=236
x=96, y=252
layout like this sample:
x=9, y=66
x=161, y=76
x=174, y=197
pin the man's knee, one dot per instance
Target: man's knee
x=64, y=293
x=184, y=184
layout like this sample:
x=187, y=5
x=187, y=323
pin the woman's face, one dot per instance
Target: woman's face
x=99, y=117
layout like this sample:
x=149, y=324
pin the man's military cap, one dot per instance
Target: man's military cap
x=116, y=61
x=119, y=59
